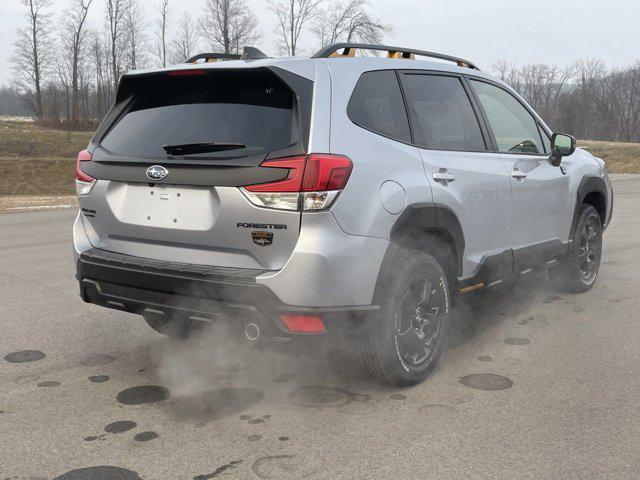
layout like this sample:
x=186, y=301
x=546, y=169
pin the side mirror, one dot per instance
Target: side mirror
x=562, y=145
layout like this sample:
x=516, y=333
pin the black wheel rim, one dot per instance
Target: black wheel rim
x=419, y=321
x=589, y=250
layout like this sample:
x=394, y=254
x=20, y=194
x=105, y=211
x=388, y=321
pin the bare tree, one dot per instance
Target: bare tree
x=229, y=25
x=32, y=53
x=100, y=59
x=184, y=43
x=348, y=21
x=134, y=36
x=292, y=16
x=161, y=34
x=116, y=11
x=73, y=49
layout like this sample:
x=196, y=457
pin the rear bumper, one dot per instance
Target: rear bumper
x=194, y=292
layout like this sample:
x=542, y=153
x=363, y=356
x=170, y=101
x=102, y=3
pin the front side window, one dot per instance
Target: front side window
x=441, y=114
x=377, y=105
x=513, y=126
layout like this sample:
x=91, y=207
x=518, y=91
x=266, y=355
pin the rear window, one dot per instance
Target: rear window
x=377, y=105
x=252, y=108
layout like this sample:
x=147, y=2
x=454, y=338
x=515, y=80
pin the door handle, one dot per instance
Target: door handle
x=519, y=174
x=444, y=177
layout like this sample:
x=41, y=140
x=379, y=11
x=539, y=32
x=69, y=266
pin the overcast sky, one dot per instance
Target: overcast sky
x=549, y=31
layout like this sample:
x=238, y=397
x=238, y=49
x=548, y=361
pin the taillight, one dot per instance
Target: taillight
x=312, y=183
x=84, y=183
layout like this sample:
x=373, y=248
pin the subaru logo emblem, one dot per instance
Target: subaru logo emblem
x=157, y=172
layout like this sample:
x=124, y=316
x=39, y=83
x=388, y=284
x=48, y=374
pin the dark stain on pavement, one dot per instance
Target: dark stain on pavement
x=254, y=438
x=283, y=439
x=486, y=381
x=256, y=420
x=324, y=396
x=97, y=360
x=485, y=358
x=24, y=356
x=143, y=394
x=120, y=426
x=99, y=473
x=398, y=396
x=218, y=471
x=516, y=341
x=145, y=436
x=49, y=383
x=99, y=378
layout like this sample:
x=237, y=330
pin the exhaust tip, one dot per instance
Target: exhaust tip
x=251, y=331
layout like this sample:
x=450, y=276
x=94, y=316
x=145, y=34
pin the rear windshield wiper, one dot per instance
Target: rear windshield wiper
x=191, y=148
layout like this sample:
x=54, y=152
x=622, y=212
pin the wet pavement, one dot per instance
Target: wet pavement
x=535, y=384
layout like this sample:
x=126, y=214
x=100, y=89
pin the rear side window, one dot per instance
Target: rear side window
x=441, y=113
x=252, y=110
x=377, y=105
x=513, y=126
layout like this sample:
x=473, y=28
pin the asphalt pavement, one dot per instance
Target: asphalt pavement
x=536, y=384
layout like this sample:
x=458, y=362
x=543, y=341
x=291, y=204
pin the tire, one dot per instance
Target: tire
x=401, y=344
x=579, y=271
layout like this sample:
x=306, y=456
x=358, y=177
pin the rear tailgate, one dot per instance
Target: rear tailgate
x=196, y=213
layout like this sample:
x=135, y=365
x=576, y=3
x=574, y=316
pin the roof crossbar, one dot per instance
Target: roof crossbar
x=392, y=52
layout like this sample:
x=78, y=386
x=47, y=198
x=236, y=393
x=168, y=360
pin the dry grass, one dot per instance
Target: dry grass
x=620, y=157
x=29, y=140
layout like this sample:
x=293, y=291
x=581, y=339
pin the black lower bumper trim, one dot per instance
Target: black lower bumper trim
x=139, y=285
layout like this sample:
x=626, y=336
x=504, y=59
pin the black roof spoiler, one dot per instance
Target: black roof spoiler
x=348, y=50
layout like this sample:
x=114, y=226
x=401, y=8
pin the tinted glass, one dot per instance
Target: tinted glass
x=441, y=113
x=251, y=108
x=377, y=105
x=513, y=126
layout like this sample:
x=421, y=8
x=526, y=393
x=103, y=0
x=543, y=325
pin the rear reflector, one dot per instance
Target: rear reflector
x=303, y=323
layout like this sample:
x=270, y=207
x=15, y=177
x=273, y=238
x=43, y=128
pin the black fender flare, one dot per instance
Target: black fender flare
x=423, y=218
x=589, y=184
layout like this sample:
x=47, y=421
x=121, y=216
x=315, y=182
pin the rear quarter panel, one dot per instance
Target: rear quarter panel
x=376, y=160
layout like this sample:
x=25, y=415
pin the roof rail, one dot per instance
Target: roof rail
x=248, y=53
x=213, y=57
x=348, y=50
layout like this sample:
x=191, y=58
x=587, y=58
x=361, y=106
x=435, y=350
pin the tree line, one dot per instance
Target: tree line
x=66, y=71
x=585, y=99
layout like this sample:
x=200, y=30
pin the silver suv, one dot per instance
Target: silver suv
x=329, y=195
